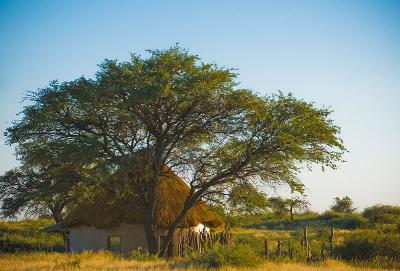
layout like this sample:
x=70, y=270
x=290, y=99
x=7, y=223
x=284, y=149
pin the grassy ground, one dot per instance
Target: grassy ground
x=105, y=261
x=24, y=235
x=32, y=249
x=256, y=237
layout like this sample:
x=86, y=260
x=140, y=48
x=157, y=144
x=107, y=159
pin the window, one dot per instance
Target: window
x=114, y=243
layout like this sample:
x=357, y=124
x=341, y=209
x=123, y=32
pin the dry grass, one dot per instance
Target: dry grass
x=263, y=233
x=105, y=261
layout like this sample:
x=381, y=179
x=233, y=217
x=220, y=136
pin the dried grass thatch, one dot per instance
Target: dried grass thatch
x=108, y=210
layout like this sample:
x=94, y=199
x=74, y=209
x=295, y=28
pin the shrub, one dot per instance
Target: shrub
x=142, y=254
x=348, y=222
x=328, y=215
x=385, y=214
x=343, y=221
x=385, y=228
x=25, y=235
x=223, y=255
x=369, y=244
x=257, y=243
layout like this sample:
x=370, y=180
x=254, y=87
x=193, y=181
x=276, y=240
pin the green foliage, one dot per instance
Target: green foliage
x=187, y=113
x=348, y=222
x=40, y=190
x=255, y=242
x=25, y=235
x=343, y=205
x=329, y=215
x=180, y=112
x=385, y=214
x=142, y=254
x=246, y=199
x=244, y=220
x=368, y=244
x=226, y=255
x=327, y=219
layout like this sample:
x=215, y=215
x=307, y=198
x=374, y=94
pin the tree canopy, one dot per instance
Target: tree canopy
x=41, y=190
x=171, y=109
x=343, y=205
x=282, y=206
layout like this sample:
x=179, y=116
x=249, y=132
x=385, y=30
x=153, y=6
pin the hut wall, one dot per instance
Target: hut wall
x=84, y=237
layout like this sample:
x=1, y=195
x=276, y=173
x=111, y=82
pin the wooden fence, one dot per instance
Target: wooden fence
x=305, y=244
x=189, y=241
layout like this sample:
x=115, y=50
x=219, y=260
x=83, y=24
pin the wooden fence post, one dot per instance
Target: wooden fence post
x=266, y=248
x=305, y=241
x=290, y=250
x=331, y=239
x=323, y=251
x=306, y=244
x=278, y=250
x=305, y=238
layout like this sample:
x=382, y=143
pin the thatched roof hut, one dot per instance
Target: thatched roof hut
x=107, y=210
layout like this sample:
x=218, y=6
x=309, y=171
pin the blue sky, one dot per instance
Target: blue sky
x=341, y=54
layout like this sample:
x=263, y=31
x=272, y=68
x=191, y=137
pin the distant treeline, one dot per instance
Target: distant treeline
x=375, y=216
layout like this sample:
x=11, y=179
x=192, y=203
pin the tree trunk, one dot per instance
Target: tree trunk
x=56, y=211
x=149, y=229
x=149, y=223
x=291, y=219
x=56, y=216
x=150, y=204
x=171, y=229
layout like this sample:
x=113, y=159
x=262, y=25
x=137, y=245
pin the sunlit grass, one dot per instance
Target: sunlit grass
x=272, y=234
x=106, y=261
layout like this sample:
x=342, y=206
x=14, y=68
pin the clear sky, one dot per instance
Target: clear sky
x=341, y=54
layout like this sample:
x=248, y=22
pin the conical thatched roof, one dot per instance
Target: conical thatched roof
x=108, y=210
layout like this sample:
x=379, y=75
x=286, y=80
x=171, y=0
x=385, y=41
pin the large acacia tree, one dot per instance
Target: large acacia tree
x=175, y=110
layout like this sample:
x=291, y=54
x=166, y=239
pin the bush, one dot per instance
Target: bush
x=348, y=222
x=142, y=254
x=385, y=228
x=385, y=214
x=257, y=243
x=342, y=221
x=369, y=244
x=328, y=215
x=223, y=255
x=25, y=235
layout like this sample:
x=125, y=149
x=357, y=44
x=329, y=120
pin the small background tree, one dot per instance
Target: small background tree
x=343, y=205
x=289, y=206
